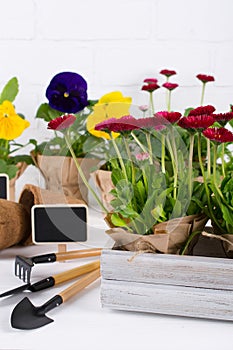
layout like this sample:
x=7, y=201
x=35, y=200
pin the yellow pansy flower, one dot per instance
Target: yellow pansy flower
x=11, y=124
x=111, y=105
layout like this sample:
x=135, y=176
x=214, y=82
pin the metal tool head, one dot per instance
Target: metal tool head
x=15, y=290
x=26, y=316
x=23, y=266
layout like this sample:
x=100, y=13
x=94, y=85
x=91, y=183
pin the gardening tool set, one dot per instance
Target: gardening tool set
x=25, y=315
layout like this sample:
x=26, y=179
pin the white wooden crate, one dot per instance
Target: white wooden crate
x=191, y=286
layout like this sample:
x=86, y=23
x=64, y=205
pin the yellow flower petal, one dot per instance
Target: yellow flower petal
x=111, y=105
x=115, y=96
x=11, y=125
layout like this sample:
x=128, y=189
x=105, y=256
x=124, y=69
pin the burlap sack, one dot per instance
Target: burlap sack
x=61, y=174
x=15, y=225
x=169, y=237
x=103, y=181
x=21, y=168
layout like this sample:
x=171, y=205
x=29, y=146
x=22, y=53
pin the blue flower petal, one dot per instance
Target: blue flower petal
x=67, y=92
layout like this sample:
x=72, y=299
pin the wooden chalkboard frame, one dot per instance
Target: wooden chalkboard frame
x=4, y=181
x=38, y=211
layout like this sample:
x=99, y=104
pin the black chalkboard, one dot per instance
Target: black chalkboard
x=59, y=223
x=4, y=186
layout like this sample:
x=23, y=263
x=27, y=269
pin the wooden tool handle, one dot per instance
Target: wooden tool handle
x=79, y=285
x=76, y=272
x=75, y=254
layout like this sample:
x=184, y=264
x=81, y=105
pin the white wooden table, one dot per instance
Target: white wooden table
x=83, y=324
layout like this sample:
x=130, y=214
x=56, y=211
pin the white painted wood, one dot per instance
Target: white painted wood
x=169, y=300
x=167, y=284
x=193, y=271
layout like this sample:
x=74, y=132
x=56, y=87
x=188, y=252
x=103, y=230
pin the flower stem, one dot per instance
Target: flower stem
x=218, y=190
x=199, y=155
x=149, y=147
x=144, y=149
x=130, y=158
x=203, y=93
x=139, y=143
x=174, y=148
x=173, y=151
x=208, y=158
x=119, y=157
x=174, y=166
x=152, y=103
x=212, y=216
x=163, y=154
x=189, y=240
x=214, y=164
x=169, y=101
x=190, y=164
x=83, y=176
x=223, y=160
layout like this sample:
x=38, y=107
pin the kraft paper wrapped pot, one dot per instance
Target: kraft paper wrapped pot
x=61, y=174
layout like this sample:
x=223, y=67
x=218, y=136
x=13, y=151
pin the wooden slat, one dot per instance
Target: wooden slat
x=166, y=269
x=168, y=300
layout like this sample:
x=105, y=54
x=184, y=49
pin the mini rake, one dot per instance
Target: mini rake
x=24, y=265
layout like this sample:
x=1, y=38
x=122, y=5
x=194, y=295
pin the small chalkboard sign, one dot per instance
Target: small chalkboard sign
x=59, y=223
x=4, y=186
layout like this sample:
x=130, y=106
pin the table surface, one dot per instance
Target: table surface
x=82, y=323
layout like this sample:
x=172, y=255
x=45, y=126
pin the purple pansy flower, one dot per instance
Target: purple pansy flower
x=67, y=92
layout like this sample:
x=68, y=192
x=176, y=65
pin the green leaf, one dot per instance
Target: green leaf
x=129, y=213
x=227, y=215
x=10, y=170
x=117, y=221
x=158, y=213
x=92, y=143
x=117, y=204
x=10, y=90
x=117, y=175
x=124, y=191
x=21, y=158
x=47, y=113
x=3, y=166
x=187, y=111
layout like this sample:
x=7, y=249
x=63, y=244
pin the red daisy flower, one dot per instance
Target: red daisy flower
x=218, y=134
x=170, y=86
x=171, y=117
x=167, y=72
x=205, y=78
x=62, y=122
x=150, y=87
x=202, y=110
x=223, y=118
x=199, y=122
x=150, y=123
x=150, y=80
x=126, y=123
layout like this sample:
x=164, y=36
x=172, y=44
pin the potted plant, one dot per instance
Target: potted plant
x=66, y=93
x=161, y=205
x=112, y=104
x=12, y=125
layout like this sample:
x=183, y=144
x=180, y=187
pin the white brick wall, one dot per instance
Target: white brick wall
x=115, y=45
